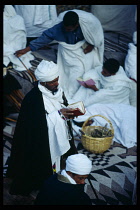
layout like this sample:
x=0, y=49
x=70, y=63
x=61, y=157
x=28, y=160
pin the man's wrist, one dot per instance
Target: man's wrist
x=27, y=49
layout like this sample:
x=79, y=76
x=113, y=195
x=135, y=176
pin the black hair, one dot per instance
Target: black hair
x=70, y=18
x=111, y=65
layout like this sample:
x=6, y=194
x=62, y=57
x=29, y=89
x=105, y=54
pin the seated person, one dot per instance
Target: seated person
x=111, y=85
x=67, y=186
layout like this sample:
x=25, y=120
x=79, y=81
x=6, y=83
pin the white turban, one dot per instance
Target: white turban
x=79, y=164
x=46, y=71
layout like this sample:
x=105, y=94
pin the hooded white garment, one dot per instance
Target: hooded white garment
x=72, y=61
x=57, y=127
x=39, y=18
x=123, y=118
x=14, y=34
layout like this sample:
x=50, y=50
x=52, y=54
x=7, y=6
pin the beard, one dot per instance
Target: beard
x=54, y=90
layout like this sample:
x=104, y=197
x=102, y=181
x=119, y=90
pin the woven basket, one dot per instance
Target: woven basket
x=92, y=144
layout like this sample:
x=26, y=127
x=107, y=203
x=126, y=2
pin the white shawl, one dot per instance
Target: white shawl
x=57, y=127
x=71, y=59
x=14, y=39
x=115, y=89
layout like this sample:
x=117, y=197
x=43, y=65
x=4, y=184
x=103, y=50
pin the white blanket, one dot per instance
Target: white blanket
x=123, y=118
x=14, y=33
x=72, y=61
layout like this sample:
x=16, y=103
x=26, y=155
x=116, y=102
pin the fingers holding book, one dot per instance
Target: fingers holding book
x=67, y=113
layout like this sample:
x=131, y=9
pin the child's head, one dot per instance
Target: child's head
x=110, y=67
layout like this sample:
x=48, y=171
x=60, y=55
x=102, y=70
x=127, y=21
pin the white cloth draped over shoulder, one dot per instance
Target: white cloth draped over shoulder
x=123, y=118
x=72, y=61
x=115, y=89
x=57, y=127
x=14, y=34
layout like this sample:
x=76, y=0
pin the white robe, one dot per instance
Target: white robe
x=72, y=61
x=114, y=89
x=14, y=34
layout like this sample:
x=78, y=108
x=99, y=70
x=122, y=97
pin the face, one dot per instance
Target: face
x=71, y=28
x=79, y=179
x=106, y=73
x=52, y=85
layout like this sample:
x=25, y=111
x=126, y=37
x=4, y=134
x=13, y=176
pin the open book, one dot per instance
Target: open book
x=78, y=107
x=87, y=81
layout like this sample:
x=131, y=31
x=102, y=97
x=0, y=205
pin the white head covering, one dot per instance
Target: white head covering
x=46, y=71
x=78, y=164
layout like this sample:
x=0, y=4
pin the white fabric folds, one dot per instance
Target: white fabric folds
x=14, y=34
x=79, y=164
x=57, y=127
x=64, y=173
x=46, y=71
x=72, y=61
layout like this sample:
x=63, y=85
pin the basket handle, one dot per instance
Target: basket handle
x=99, y=116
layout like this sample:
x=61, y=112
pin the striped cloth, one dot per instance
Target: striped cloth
x=28, y=75
x=116, y=42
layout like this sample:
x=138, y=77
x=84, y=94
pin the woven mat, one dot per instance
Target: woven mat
x=113, y=175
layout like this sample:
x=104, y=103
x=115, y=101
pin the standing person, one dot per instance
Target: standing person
x=43, y=137
x=39, y=18
x=67, y=186
x=81, y=46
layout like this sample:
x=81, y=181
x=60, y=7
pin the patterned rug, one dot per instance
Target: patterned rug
x=113, y=175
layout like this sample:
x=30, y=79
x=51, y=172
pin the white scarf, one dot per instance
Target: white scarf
x=64, y=173
x=51, y=102
x=57, y=127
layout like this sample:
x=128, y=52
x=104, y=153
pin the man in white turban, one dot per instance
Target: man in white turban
x=43, y=137
x=67, y=186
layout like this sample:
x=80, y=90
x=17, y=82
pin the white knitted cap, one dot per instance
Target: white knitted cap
x=79, y=164
x=46, y=71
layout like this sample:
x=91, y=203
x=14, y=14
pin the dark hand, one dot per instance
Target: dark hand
x=18, y=53
x=93, y=87
x=88, y=49
x=67, y=113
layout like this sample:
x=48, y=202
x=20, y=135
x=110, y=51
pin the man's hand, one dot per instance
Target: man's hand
x=88, y=49
x=67, y=113
x=18, y=53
